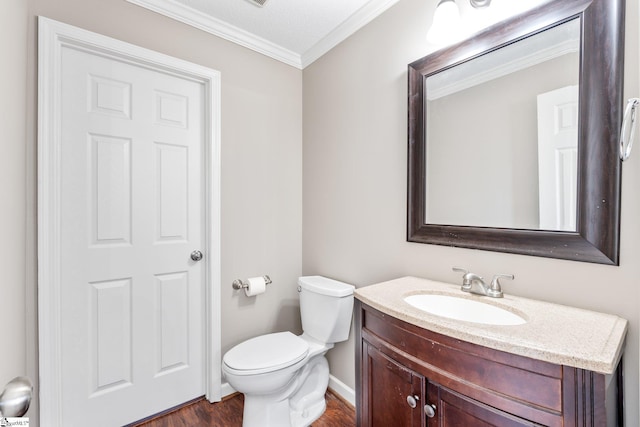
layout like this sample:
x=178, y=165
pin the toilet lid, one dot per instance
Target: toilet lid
x=267, y=352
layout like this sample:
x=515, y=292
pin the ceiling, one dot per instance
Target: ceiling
x=296, y=32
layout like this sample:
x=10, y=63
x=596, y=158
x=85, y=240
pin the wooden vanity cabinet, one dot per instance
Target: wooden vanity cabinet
x=454, y=409
x=395, y=393
x=398, y=363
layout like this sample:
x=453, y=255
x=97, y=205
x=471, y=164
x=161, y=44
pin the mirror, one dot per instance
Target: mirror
x=513, y=136
x=500, y=161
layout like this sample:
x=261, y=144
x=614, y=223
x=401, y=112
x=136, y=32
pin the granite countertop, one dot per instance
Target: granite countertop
x=553, y=333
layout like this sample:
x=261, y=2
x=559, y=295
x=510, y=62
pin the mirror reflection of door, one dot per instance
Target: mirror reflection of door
x=558, y=158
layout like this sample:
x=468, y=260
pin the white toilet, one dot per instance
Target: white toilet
x=283, y=376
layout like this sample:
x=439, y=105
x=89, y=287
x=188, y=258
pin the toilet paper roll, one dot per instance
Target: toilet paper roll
x=257, y=286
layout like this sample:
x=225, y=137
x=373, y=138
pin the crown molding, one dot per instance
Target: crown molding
x=362, y=17
x=211, y=25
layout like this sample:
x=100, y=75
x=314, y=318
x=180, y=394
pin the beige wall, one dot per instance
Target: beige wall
x=261, y=164
x=13, y=85
x=355, y=155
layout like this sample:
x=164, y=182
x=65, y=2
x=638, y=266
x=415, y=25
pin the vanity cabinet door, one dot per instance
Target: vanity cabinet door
x=394, y=394
x=454, y=409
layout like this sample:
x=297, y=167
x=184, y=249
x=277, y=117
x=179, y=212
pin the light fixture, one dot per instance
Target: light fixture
x=447, y=23
x=480, y=3
x=258, y=3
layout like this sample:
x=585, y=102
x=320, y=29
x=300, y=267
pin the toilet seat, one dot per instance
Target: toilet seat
x=266, y=353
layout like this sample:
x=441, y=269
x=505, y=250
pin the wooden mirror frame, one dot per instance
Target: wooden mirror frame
x=596, y=238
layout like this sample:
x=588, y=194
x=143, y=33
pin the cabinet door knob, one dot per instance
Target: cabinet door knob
x=430, y=410
x=412, y=401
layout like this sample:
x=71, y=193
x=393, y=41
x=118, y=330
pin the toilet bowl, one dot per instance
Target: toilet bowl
x=284, y=377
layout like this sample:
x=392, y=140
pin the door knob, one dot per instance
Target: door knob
x=430, y=410
x=412, y=400
x=196, y=255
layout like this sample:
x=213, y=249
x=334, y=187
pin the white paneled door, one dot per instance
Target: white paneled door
x=558, y=158
x=132, y=222
x=132, y=299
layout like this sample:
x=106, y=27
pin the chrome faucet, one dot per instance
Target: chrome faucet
x=475, y=284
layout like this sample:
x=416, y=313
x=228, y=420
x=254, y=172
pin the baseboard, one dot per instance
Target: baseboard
x=226, y=390
x=338, y=387
x=341, y=389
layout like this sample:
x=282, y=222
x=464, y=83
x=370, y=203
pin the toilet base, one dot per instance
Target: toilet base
x=263, y=411
x=308, y=403
x=298, y=404
x=309, y=415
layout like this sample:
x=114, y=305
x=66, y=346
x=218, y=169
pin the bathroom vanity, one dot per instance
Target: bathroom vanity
x=561, y=367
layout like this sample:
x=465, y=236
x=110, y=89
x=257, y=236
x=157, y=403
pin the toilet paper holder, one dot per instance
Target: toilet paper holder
x=241, y=284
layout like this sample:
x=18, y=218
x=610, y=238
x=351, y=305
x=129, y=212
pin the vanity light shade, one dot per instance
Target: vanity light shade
x=446, y=27
x=480, y=3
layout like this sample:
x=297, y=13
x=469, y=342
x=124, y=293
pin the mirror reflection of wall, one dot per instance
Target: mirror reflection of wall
x=482, y=135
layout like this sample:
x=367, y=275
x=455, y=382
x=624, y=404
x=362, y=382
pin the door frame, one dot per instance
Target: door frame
x=52, y=37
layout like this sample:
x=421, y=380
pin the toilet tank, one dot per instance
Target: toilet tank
x=326, y=307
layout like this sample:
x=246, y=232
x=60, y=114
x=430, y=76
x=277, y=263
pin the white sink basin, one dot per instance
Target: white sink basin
x=464, y=309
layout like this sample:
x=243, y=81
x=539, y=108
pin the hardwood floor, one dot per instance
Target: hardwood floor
x=228, y=413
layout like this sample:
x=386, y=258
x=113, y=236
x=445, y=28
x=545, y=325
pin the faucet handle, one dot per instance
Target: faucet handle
x=495, y=290
x=460, y=270
x=468, y=278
